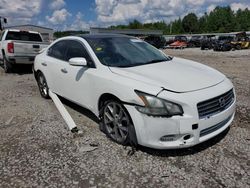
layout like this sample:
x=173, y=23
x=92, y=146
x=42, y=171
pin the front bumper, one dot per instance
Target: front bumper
x=187, y=130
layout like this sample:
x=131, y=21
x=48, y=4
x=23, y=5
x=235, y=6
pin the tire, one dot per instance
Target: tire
x=8, y=67
x=42, y=85
x=223, y=49
x=238, y=47
x=117, y=124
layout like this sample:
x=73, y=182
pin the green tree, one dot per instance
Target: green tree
x=135, y=25
x=176, y=27
x=221, y=19
x=203, y=23
x=243, y=20
x=190, y=23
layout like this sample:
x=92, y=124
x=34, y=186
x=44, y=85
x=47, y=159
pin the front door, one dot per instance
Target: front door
x=76, y=79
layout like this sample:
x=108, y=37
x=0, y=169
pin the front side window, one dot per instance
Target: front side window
x=125, y=51
x=58, y=50
x=76, y=49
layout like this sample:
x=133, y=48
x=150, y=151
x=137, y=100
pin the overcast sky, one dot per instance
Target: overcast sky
x=82, y=14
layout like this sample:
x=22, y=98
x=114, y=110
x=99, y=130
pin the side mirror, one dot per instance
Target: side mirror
x=78, y=61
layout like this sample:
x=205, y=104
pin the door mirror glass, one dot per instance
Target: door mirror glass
x=78, y=61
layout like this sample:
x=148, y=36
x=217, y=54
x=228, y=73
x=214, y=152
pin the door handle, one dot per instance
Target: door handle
x=44, y=64
x=64, y=70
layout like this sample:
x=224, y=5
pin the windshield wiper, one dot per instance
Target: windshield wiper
x=157, y=61
x=138, y=64
x=124, y=66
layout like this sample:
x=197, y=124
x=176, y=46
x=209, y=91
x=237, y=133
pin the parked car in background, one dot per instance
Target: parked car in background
x=224, y=43
x=208, y=42
x=156, y=41
x=195, y=42
x=141, y=95
x=19, y=47
x=180, y=42
x=169, y=40
x=181, y=38
x=241, y=41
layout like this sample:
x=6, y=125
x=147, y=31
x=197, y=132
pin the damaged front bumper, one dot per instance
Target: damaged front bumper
x=187, y=130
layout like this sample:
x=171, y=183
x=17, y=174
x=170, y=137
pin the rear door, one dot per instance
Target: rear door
x=53, y=65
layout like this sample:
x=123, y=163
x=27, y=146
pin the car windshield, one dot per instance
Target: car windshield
x=125, y=51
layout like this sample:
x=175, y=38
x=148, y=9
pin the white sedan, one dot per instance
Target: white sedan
x=140, y=95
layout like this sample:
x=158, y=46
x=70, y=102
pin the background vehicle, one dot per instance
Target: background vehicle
x=181, y=38
x=156, y=41
x=241, y=41
x=141, y=95
x=180, y=42
x=208, y=42
x=169, y=40
x=224, y=43
x=19, y=47
x=195, y=41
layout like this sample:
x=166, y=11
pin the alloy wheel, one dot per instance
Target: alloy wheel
x=116, y=121
x=43, y=87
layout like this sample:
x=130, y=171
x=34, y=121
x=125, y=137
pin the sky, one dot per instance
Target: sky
x=83, y=14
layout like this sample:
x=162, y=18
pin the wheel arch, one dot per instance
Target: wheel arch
x=36, y=73
x=108, y=96
x=104, y=97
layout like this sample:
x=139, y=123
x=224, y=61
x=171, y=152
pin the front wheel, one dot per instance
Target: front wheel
x=43, y=86
x=117, y=123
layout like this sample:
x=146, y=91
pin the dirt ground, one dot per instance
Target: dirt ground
x=37, y=150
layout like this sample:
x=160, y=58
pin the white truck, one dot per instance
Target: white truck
x=19, y=47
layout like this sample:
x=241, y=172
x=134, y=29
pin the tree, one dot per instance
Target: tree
x=203, y=23
x=221, y=19
x=177, y=27
x=135, y=25
x=190, y=23
x=242, y=20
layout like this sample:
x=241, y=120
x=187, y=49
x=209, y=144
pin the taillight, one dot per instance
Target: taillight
x=11, y=47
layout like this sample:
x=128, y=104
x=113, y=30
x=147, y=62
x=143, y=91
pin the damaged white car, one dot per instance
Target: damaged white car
x=140, y=95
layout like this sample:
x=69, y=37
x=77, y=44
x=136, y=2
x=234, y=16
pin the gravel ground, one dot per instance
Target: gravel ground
x=37, y=150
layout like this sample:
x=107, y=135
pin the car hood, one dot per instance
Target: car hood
x=177, y=75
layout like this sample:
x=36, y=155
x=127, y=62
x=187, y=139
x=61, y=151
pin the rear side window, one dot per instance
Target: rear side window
x=58, y=50
x=76, y=49
x=24, y=36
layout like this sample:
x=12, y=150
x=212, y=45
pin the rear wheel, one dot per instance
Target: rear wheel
x=43, y=86
x=117, y=123
x=7, y=66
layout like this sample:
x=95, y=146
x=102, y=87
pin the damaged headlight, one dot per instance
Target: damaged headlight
x=158, y=107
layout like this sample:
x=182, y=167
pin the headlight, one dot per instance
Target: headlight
x=158, y=107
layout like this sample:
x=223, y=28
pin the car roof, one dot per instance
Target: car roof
x=19, y=30
x=104, y=35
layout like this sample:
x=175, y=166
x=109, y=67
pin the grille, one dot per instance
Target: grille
x=215, y=105
x=209, y=130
